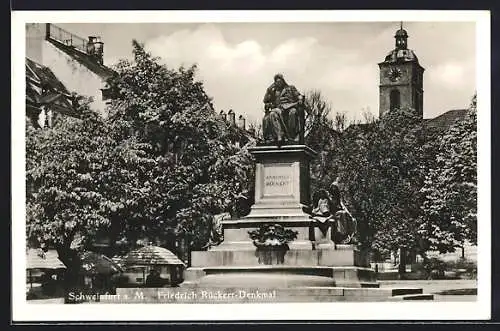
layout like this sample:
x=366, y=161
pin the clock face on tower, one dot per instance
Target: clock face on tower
x=394, y=74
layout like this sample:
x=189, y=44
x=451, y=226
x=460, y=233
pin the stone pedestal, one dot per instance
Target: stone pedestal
x=282, y=180
x=282, y=190
x=323, y=235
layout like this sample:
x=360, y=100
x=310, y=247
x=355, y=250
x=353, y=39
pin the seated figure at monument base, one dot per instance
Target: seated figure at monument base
x=331, y=217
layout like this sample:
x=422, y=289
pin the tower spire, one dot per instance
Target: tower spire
x=401, y=37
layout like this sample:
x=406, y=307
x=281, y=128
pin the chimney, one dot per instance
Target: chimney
x=241, y=122
x=222, y=115
x=95, y=48
x=232, y=119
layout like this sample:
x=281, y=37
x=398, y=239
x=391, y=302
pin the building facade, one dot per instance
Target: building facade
x=76, y=62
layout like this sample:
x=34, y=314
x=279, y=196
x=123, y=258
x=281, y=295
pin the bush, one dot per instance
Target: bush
x=418, y=272
x=464, y=268
x=435, y=268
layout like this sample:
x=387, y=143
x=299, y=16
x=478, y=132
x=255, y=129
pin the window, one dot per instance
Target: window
x=395, y=99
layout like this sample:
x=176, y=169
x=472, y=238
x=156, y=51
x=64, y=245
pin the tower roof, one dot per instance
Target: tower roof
x=401, y=33
x=401, y=53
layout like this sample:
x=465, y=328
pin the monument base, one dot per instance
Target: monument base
x=279, y=276
x=293, y=257
x=313, y=269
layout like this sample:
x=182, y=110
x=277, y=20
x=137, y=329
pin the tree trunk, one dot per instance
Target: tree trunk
x=425, y=258
x=402, y=262
x=72, y=262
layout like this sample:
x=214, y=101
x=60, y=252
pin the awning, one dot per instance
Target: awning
x=150, y=256
x=37, y=259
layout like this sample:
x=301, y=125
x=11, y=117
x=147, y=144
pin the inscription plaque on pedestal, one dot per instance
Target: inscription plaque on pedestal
x=278, y=180
x=281, y=177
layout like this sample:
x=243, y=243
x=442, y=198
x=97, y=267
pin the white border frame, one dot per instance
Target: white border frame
x=481, y=309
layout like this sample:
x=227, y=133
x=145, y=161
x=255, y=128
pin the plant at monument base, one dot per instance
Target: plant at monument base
x=272, y=235
x=272, y=241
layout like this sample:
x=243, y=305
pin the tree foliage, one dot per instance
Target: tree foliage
x=407, y=186
x=450, y=190
x=380, y=170
x=154, y=170
x=321, y=134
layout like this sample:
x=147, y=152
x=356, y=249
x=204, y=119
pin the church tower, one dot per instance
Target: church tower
x=401, y=78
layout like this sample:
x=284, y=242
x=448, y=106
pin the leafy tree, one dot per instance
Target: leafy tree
x=381, y=168
x=408, y=189
x=152, y=171
x=450, y=189
x=321, y=134
x=200, y=166
x=68, y=167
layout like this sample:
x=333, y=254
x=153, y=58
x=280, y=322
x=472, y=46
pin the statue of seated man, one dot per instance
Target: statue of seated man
x=284, y=114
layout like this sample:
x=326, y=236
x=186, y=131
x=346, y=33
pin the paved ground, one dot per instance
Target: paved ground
x=55, y=300
x=436, y=286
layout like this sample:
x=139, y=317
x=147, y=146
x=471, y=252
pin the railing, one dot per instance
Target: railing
x=66, y=38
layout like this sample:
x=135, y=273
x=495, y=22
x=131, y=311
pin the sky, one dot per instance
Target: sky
x=237, y=61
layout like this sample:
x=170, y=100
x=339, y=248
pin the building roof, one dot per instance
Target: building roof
x=445, y=120
x=401, y=33
x=43, y=75
x=76, y=48
x=44, y=88
x=401, y=53
x=440, y=123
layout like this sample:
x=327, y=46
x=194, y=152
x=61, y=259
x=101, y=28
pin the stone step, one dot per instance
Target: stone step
x=357, y=284
x=340, y=273
x=406, y=291
x=380, y=292
x=240, y=254
x=413, y=297
x=279, y=276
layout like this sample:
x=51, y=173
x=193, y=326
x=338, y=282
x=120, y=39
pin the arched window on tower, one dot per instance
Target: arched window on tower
x=395, y=99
